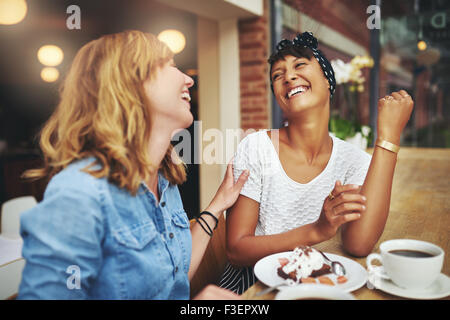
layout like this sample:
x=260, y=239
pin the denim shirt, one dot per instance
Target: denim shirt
x=89, y=239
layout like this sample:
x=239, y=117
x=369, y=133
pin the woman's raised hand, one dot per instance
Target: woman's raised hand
x=344, y=204
x=394, y=111
x=228, y=191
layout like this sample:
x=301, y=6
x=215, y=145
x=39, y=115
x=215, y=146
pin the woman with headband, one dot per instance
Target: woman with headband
x=306, y=184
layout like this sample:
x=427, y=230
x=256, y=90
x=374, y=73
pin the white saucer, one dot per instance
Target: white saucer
x=439, y=289
x=313, y=292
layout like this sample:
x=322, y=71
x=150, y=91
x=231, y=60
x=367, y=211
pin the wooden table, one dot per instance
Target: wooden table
x=420, y=209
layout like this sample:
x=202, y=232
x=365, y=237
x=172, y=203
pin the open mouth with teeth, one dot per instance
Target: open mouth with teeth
x=185, y=96
x=296, y=91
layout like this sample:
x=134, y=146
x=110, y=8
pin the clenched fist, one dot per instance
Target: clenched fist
x=394, y=111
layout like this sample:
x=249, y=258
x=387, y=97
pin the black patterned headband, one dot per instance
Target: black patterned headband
x=307, y=40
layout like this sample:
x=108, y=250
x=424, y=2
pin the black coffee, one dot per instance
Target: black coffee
x=412, y=253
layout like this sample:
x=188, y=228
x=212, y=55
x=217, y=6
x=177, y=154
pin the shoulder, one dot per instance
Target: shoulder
x=254, y=136
x=75, y=179
x=253, y=147
x=254, y=140
x=70, y=195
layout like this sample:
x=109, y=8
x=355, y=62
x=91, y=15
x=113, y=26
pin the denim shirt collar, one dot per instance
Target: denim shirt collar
x=163, y=184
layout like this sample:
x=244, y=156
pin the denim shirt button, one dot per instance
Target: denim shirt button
x=176, y=269
x=163, y=204
x=171, y=235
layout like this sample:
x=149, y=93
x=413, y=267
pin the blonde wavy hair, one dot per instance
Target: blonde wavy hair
x=104, y=112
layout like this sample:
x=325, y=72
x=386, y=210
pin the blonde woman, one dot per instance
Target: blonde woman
x=112, y=224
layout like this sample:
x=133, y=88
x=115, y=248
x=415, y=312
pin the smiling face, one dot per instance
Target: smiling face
x=168, y=95
x=299, y=84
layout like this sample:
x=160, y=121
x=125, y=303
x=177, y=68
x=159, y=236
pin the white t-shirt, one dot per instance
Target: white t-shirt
x=285, y=204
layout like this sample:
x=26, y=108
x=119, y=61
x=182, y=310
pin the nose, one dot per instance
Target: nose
x=188, y=81
x=290, y=75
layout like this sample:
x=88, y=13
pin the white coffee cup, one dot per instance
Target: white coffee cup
x=408, y=272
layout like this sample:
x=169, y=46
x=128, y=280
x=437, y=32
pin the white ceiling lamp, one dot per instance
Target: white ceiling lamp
x=50, y=55
x=49, y=74
x=174, y=39
x=12, y=11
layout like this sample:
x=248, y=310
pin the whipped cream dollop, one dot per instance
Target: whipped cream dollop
x=303, y=260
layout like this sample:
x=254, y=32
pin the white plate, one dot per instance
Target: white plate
x=266, y=271
x=439, y=289
x=313, y=291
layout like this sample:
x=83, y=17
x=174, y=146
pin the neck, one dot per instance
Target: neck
x=157, y=147
x=309, y=133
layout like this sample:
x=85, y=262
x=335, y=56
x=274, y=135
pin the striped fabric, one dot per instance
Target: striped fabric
x=237, y=279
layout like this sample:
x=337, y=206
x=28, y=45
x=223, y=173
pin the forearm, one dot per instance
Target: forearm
x=249, y=249
x=200, y=241
x=360, y=236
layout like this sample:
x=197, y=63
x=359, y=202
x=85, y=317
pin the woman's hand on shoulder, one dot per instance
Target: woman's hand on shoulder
x=344, y=204
x=228, y=191
x=394, y=111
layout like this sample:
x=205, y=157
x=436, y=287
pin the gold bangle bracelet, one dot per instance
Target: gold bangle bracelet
x=387, y=145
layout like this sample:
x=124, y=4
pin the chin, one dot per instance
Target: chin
x=301, y=106
x=188, y=121
x=298, y=108
x=183, y=124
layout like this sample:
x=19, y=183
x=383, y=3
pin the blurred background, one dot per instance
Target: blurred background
x=224, y=46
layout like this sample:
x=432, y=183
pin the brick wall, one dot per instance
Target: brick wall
x=255, y=86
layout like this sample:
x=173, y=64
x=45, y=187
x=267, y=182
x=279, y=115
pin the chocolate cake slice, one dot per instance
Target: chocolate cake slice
x=303, y=262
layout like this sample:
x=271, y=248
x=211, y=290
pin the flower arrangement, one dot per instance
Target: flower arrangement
x=351, y=72
x=350, y=77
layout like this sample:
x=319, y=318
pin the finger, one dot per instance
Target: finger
x=386, y=97
x=396, y=95
x=349, y=207
x=340, y=220
x=242, y=179
x=332, y=194
x=229, y=171
x=404, y=94
x=228, y=179
x=339, y=188
x=349, y=197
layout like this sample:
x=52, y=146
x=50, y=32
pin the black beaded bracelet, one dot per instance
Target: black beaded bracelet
x=208, y=231
x=213, y=216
